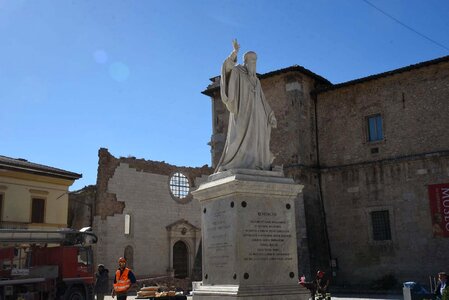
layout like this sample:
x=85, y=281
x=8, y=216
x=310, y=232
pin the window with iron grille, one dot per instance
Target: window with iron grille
x=375, y=132
x=179, y=185
x=381, y=225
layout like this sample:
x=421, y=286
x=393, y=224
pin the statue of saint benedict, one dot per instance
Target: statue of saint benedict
x=250, y=117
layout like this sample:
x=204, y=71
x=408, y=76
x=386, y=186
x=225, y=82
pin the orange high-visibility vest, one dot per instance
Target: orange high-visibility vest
x=122, y=283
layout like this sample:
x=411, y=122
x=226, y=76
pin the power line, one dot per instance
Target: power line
x=405, y=25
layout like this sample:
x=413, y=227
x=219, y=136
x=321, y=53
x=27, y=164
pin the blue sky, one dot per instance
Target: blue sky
x=127, y=75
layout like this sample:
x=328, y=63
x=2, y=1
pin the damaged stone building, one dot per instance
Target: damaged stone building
x=372, y=156
x=144, y=211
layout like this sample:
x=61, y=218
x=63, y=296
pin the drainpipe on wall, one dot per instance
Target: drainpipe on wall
x=320, y=191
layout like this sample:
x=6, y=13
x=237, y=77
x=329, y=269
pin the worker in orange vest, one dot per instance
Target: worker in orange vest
x=124, y=279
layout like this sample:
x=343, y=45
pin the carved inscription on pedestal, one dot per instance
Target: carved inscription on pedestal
x=219, y=245
x=268, y=235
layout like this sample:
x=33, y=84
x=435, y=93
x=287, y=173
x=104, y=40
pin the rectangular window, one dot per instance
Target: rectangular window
x=37, y=210
x=375, y=132
x=381, y=225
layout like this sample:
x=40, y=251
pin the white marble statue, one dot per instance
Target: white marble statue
x=250, y=117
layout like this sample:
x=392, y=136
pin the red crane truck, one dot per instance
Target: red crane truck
x=46, y=265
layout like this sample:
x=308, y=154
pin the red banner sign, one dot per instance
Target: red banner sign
x=439, y=209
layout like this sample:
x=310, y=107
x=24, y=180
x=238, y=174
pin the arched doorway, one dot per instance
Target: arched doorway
x=129, y=256
x=180, y=260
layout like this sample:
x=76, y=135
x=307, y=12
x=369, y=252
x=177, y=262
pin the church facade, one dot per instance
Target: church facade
x=144, y=211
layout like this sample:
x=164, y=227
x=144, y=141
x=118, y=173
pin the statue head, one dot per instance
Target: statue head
x=249, y=60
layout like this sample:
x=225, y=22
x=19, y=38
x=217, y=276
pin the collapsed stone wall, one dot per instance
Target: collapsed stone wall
x=107, y=203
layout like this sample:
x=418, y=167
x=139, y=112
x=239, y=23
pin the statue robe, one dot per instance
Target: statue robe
x=248, y=139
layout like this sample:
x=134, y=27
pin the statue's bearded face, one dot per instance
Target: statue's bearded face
x=251, y=67
x=249, y=59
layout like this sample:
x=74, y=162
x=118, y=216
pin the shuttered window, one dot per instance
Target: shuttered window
x=375, y=131
x=37, y=210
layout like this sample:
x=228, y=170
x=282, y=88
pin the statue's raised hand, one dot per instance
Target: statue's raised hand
x=235, y=45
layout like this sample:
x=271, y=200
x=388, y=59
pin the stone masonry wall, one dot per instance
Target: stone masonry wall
x=81, y=203
x=292, y=142
x=414, y=106
x=400, y=187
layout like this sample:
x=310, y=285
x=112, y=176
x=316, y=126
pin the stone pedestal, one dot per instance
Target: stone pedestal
x=249, y=237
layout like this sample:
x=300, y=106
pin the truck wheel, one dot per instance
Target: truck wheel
x=75, y=294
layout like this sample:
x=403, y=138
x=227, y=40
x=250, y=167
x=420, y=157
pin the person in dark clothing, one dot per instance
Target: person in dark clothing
x=442, y=287
x=101, y=282
x=317, y=286
x=321, y=283
x=124, y=279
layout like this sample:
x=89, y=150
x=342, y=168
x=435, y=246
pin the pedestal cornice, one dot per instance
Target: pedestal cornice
x=242, y=181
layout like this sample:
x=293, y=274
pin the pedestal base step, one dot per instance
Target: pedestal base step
x=231, y=292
